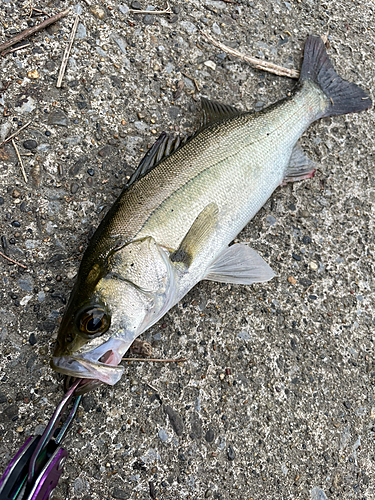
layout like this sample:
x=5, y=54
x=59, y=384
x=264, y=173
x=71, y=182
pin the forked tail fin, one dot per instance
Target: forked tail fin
x=344, y=97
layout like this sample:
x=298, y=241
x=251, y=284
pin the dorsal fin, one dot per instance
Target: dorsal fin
x=213, y=111
x=166, y=144
x=163, y=147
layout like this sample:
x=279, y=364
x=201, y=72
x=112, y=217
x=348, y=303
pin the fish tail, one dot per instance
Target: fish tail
x=343, y=97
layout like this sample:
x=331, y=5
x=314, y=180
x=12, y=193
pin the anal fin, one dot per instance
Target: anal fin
x=241, y=265
x=300, y=166
x=197, y=236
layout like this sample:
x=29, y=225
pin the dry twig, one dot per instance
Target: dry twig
x=192, y=79
x=257, y=63
x=12, y=261
x=156, y=360
x=15, y=133
x=34, y=29
x=15, y=49
x=67, y=52
x=167, y=10
x=20, y=160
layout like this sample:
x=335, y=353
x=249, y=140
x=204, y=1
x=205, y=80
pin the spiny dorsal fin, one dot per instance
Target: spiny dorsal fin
x=167, y=144
x=163, y=147
x=213, y=111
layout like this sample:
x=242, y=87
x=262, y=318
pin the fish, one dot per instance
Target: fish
x=174, y=223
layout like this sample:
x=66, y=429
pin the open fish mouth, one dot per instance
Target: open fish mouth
x=80, y=367
x=97, y=366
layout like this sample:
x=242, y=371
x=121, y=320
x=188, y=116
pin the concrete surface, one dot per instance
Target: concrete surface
x=276, y=400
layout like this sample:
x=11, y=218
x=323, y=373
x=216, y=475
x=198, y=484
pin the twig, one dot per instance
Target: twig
x=20, y=160
x=167, y=10
x=34, y=29
x=192, y=79
x=67, y=52
x=15, y=48
x=40, y=11
x=12, y=261
x=257, y=63
x=15, y=133
x=156, y=360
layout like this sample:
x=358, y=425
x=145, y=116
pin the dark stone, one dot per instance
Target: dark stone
x=306, y=240
x=296, y=257
x=88, y=402
x=230, y=452
x=32, y=339
x=15, y=223
x=176, y=9
x=174, y=111
x=313, y=297
x=74, y=170
x=30, y=144
x=196, y=427
x=3, y=398
x=9, y=413
x=175, y=420
x=81, y=104
x=107, y=151
x=48, y=326
x=74, y=188
x=347, y=404
x=148, y=19
x=58, y=117
x=135, y=5
x=56, y=259
x=90, y=171
x=120, y=494
x=1, y=200
x=210, y=436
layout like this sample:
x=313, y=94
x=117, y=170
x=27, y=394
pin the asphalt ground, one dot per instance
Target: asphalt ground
x=276, y=398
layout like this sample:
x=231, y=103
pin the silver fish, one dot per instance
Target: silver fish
x=171, y=226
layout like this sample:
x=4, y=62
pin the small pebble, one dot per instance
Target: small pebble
x=313, y=266
x=90, y=171
x=210, y=436
x=30, y=144
x=34, y=75
x=15, y=223
x=74, y=188
x=97, y=11
x=19, y=429
x=292, y=280
x=296, y=257
x=135, y=5
x=32, y=339
x=231, y=453
x=47, y=133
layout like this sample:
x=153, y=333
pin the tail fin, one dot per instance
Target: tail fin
x=344, y=97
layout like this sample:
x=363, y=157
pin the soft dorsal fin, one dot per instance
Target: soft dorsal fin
x=213, y=111
x=165, y=145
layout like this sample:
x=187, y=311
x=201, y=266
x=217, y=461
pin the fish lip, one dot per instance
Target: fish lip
x=81, y=367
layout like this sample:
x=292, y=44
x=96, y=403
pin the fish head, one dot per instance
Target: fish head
x=109, y=308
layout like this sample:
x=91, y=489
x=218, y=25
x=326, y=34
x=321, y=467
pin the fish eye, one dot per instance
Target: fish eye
x=93, y=321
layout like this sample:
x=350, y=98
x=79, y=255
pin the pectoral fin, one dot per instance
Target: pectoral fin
x=197, y=236
x=241, y=265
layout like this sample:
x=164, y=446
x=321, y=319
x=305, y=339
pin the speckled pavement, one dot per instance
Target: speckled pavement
x=276, y=399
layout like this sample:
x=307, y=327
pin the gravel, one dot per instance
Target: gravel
x=280, y=376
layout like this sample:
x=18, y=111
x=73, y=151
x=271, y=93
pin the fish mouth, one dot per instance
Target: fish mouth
x=98, y=366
